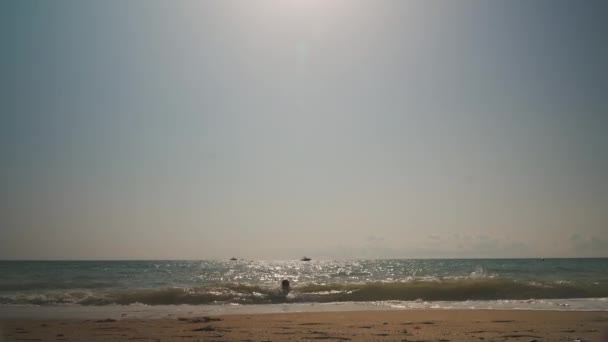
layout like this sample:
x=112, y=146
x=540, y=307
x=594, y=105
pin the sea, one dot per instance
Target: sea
x=226, y=286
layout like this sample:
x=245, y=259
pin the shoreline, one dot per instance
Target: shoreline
x=377, y=325
x=141, y=311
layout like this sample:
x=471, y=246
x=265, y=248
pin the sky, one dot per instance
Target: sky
x=276, y=129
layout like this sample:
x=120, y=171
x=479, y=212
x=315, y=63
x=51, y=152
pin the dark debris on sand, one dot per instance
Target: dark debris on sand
x=199, y=319
x=207, y=328
x=107, y=320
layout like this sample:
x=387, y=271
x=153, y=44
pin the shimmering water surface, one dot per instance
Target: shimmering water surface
x=257, y=282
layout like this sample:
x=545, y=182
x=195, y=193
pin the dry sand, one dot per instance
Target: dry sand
x=406, y=325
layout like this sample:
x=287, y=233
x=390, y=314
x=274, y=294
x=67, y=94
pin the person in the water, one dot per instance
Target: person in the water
x=285, y=286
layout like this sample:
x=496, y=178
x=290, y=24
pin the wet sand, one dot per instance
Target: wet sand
x=405, y=325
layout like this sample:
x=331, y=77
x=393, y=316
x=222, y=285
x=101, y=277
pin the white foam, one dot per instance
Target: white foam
x=160, y=311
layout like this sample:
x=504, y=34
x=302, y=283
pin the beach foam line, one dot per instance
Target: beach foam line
x=142, y=311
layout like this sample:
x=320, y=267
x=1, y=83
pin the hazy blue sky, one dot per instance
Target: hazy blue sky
x=274, y=129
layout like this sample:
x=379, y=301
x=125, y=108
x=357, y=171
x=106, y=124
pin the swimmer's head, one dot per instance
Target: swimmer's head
x=285, y=286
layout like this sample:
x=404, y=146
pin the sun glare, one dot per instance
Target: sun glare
x=308, y=5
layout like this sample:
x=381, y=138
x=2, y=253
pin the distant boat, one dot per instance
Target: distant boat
x=305, y=259
x=233, y=259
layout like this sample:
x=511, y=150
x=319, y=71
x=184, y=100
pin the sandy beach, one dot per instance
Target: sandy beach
x=406, y=325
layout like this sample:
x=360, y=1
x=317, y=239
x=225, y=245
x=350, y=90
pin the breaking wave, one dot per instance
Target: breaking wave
x=460, y=289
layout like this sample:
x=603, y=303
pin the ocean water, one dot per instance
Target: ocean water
x=449, y=283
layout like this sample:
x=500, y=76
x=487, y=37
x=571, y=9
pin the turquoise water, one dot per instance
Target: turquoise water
x=257, y=282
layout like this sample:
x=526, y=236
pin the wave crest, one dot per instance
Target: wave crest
x=459, y=289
